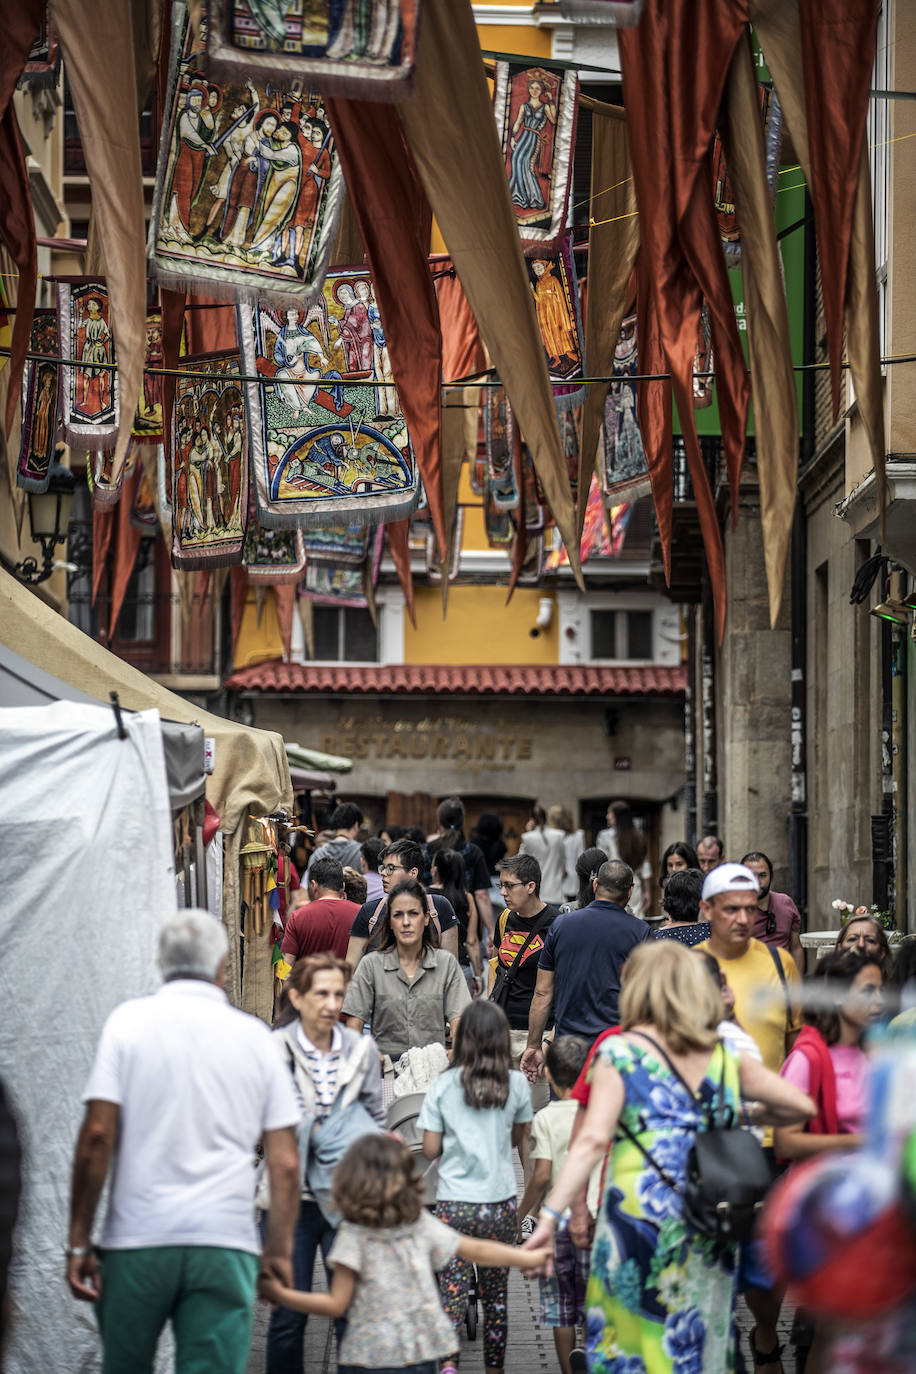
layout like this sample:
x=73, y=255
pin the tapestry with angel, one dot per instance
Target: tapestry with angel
x=89, y=379
x=328, y=438
x=535, y=112
x=209, y=461
x=39, y=405
x=248, y=187
x=360, y=49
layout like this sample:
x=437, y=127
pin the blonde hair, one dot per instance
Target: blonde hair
x=560, y=818
x=669, y=989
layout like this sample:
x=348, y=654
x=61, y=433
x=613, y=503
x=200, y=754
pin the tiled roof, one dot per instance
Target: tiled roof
x=575, y=680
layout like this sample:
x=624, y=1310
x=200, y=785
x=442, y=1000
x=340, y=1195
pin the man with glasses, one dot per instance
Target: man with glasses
x=519, y=939
x=778, y=918
x=398, y=860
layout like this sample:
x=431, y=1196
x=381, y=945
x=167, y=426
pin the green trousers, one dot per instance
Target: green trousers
x=205, y=1292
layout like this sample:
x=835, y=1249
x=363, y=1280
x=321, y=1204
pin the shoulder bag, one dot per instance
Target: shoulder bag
x=728, y=1176
x=505, y=977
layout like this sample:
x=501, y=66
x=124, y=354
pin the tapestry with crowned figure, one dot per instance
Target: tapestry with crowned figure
x=89, y=379
x=249, y=186
x=328, y=438
x=360, y=49
x=39, y=405
x=273, y=557
x=552, y=278
x=499, y=429
x=535, y=112
x=209, y=460
x=624, y=470
x=148, y=419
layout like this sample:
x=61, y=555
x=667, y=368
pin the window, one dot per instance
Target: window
x=344, y=634
x=137, y=618
x=622, y=635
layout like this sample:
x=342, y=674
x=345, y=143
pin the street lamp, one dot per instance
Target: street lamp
x=49, y=516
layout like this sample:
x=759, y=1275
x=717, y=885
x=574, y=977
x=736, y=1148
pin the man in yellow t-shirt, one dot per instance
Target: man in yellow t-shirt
x=766, y=1009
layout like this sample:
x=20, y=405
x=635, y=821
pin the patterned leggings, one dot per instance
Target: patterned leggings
x=485, y=1221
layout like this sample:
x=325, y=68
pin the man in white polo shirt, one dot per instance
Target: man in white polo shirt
x=183, y=1088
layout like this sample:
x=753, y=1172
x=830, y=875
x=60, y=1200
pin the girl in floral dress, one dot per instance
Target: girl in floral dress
x=660, y=1298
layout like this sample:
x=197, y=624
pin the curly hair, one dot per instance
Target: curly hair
x=377, y=1183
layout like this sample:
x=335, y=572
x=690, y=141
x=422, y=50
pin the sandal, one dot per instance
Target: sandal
x=770, y=1357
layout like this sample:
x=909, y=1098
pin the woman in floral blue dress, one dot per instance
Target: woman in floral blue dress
x=660, y=1298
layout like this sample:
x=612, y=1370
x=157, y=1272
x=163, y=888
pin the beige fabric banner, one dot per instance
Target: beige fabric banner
x=772, y=377
x=613, y=240
x=448, y=120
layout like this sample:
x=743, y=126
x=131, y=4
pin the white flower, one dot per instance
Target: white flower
x=838, y=904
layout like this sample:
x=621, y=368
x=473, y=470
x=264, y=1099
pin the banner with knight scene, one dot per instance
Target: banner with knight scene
x=360, y=49
x=535, y=111
x=88, y=383
x=552, y=278
x=209, y=463
x=248, y=187
x=328, y=439
x=39, y=405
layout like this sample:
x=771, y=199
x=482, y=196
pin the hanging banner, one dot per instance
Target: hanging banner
x=209, y=461
x=729, y=229
x=89, y=391
x=499, y=427
x=433, y=568
x=498, y=523
x=39, y=405
x=336, y=585
x=556, y=301
x=248, y=188
x=570, y=421
x=328, y=439
x=535, y=114
x=361, y=49
x=337, y=543
x=624, y=470
x=42, y=68
x=273, y=557
x=532, y=496
x=532, y=569
x=148, y=420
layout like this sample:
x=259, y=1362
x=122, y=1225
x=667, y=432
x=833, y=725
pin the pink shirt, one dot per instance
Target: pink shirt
x=850, y=1067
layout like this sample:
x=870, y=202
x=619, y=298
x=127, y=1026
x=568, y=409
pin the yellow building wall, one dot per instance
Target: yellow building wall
x=480, y=627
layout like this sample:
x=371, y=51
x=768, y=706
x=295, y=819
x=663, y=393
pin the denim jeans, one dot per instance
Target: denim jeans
x=286, y=1332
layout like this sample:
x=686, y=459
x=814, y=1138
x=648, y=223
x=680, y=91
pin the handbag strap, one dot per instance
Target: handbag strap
x=511, y=973
x=662, y=1173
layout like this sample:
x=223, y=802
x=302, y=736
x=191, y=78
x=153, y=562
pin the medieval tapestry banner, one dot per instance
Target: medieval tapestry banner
x=344, y=585
x=729, y=229
x=434, y=569
x=625, y=472
x=328, y=438
x=360, y=49
x=337, y=543
x=209, y=462
x=148, y=419
x=39, y=405
x=532, y=569
x=273, y=557
x=535, y=114
x=89, y=381
x=498, y=524
x=42, y=68
x=556, y=301
x=105, y=491
x=249, y=186
x=499, y=427
x=532, y=496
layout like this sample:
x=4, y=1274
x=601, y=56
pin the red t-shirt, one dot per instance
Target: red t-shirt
x=583, y=1089
x=318, y=927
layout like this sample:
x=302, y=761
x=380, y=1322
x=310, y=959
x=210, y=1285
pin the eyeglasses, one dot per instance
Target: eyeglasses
x=388, y=869
x=505, y=887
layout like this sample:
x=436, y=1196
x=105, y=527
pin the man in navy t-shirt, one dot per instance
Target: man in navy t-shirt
x=579, y=968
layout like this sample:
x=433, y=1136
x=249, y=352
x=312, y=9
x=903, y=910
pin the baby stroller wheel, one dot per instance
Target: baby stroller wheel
x=470, y=1316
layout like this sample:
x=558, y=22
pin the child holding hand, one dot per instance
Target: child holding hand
x=563, y=1293
x=384, y=1259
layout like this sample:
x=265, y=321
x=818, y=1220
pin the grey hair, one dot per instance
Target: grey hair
x=192, y=944
x=615, y=877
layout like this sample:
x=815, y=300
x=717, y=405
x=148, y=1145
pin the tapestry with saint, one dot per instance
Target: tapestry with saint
x=328, y=437
x=535, y=112
x=499, y=428
x=624, y=470
x=89, y=379
x=248, y=186
x=208, y=455
x=552, y=278
x=147, y=425
x=273, y=557
x=39, y=405
x=358, y=49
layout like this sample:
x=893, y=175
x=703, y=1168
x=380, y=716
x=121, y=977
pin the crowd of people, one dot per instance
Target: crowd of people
x=578, y=1022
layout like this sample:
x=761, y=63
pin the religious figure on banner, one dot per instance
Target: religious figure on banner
x=553, y=284
x=625, y=470
x=357, y=48
x=89, y=386
x=535, y=112
x=148, y=419
x=209, y=464
x=38, y=435
x=93, y=384
x=249, y=184
x=499, y=431
x=329, y=440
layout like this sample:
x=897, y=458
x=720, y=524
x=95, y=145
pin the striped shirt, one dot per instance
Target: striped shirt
x=323, y=1067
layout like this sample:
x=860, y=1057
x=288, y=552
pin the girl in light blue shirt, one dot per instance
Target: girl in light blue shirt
x=473, y=1116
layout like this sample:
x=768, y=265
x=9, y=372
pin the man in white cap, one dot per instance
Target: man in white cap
x=763, y=979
